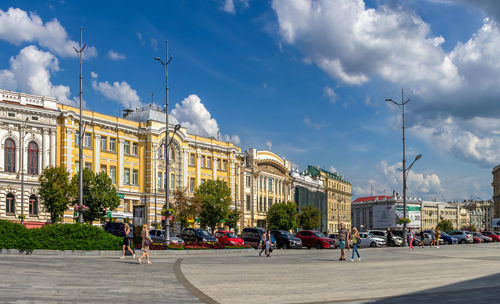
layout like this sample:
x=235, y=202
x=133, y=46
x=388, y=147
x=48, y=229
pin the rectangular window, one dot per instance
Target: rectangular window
x=209, y=162
x=77, y=166
x=126, y=205
x=224, y=165
x=134, y=149
x=126, y=147
x=270, y=184
x=191, y=159
x=158, y=181
x=112, y=174
x=191, y=184
x=248, y=181
x=165, y=181
x=104, y=143
x=203, y=181
x=219, y=164
x=88, y=140
x=248, y=202
x=135, y=177
x=126, y=176
x=112, y=144
x=172, y=181
x=104, y=168
x=77, y=138
x=202, y=161
x=88, y=166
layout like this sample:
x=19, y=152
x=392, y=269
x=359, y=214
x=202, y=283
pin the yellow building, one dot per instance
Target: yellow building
x=435, y=212
x=130, y=150
x=338, y=193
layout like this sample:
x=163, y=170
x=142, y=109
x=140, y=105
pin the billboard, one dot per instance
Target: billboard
x=495, y=223
x=384, y=216
x=413, y=212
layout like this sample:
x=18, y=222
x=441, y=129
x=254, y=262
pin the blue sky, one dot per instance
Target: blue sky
x=305, y=79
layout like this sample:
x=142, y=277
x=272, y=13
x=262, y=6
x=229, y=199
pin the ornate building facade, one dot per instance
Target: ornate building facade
x=27, y=144
x=496, y=191
x=265, y=180
x=338, y=192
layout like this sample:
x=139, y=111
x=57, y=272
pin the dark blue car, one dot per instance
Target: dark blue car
x=447, y=239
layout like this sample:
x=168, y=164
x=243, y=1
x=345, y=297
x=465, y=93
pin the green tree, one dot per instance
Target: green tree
x=99, y=194
x=282, y=216
x=185, y=208
x=56, y=191
x=215, y=198
x=233, y=218
x=309, y=217
x=445, y=225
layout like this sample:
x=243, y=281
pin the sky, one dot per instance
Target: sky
x=306, y=79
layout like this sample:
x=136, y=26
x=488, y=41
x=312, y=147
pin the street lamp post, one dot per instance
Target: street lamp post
x=23, y=133
x=165, y=65
x=405, y=170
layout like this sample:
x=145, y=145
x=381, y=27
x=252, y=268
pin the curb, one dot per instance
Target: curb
x=153, y=253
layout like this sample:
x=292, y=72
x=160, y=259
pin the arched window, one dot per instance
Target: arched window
x=32, y=158
x=10, y=155
x=33, y=205
x=172, y=181
x=10, y=204
x=172, y=154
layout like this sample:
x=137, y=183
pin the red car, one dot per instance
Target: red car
x=477, y=239
x=496, y=238
x=228, y=238
x=313, y=238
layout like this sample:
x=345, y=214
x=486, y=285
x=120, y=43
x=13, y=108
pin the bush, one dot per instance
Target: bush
x=57, y=237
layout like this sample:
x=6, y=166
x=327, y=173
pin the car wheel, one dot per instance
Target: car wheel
x=462, y=241
x=286, y=246
x=318, y=246
x=308, y=247
x=495, y=240
x=373, y=244
x=446, y=242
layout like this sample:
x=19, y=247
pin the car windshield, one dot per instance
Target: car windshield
x=286, y=234
x=370, y=235
x=231, y=235
x=319, y=234
x=203, y=233
x=444, y=234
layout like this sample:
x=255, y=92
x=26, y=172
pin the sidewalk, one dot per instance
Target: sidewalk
x=153, y=253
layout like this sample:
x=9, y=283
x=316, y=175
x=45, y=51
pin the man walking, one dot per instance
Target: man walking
x=389, y=237
x=343, y=238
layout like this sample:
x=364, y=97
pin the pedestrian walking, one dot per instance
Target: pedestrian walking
x=438, y=236
x=263, y=243
x=356, y=241
x=433, y=237
x=146, y=241
x=389, y=237
x=126, y=241
x=411, y=236
x=422, y=237
x=268, y=244
x=343, y=238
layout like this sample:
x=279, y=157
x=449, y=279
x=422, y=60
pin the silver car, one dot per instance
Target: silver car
x=370, y=240
x=396, y=240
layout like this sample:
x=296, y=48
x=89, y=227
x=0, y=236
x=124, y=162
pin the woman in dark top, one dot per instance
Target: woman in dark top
x=126, y=242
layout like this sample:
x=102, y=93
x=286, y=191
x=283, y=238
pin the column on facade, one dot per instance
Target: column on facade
x=120, y=163
x=185, y=171
x=2, y=154
x=266, y=186
x=45, y=148
x=97, y=150
x=69, y=150
x=198, y=170
x=215, y=161
x=232, y=181
x=53, y=147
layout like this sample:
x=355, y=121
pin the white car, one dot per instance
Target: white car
x=370, y=240
x=396, y=240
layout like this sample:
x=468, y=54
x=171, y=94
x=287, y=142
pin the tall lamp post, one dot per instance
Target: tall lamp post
x=23, y=134
x=165, y=65
x=405, y=170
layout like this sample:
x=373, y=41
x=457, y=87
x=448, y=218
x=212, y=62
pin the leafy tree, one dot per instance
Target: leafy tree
x=185, y=208
x=56, y=191
x=215, y=198
x=233, y=218
x=99, y=194
x=309, y=217
x=445, y=225
x=282, y=216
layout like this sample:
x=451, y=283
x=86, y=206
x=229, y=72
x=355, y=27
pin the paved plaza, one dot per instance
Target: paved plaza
x=450, y=274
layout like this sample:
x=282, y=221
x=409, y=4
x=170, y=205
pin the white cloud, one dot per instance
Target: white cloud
x=30, y=71
x=229, y=6
x=451, y=91
x=154, y=44
x=17, y=26
x=332, y=169
x=269, y=145
x=94, y=74
x=330, y=94
x=314, y=125
x=118, y=91
x=192, y=114
x=115, y=55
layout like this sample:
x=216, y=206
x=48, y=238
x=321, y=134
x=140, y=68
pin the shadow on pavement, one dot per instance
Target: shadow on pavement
x=482, y=290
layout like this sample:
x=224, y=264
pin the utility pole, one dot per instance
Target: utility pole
x=79, y=51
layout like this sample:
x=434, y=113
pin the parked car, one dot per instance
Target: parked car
x=198, y=236
x=428, y=239
x=447, y=239
x=285, y=239
x=496, y=238
x=395, y=241
x=370, y=240
x=118, y=229
x=485, y=238
x=333, y=236
x=252, y=237
x=158, y=236
x=228, y=238
x=461, y=236
x=313, y=238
